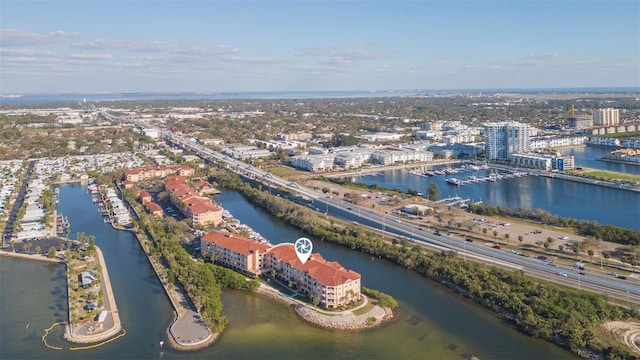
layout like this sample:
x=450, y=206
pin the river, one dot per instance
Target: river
x=433, y=322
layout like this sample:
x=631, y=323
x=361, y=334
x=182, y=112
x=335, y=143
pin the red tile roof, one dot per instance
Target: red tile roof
x=327, y=273
x=235, y=243
x=153, y=207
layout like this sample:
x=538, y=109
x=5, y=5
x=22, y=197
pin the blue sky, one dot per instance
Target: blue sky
x=213, y=46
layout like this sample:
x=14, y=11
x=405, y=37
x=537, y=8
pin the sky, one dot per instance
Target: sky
x=99, y=46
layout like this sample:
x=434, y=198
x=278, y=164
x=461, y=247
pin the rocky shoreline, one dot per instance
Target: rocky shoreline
x=339, y=321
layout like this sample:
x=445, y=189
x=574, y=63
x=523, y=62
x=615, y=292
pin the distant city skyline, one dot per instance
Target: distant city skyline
x=243, y=46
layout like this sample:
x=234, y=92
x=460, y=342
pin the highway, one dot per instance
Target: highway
x=624, y=289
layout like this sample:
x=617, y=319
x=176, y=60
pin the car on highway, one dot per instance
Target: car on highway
x=562, y=274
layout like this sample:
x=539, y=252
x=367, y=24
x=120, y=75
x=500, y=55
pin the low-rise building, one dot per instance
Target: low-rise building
x=235, y=252
x=326, y=281
x=200, y=210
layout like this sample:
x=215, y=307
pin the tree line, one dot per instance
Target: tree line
x=203, y=281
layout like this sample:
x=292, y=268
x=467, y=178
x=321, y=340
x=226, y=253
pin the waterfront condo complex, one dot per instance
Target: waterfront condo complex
x=326, y=281
x=506, y=138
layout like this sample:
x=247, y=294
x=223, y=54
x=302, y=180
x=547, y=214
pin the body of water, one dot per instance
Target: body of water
x=23, y=99
x=432, y=322
x=561, y=197
x=588, y=156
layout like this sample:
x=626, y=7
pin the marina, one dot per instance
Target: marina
x=488, y=174
x=495, y=187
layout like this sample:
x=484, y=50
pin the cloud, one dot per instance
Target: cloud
x=89, y=56
x=543, y=56
x=155, y=46
x=25, y=52
x=348, y=54
x=16, y=37
x=247, y=60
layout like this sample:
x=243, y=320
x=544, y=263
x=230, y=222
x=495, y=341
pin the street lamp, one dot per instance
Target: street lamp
x=384, y=220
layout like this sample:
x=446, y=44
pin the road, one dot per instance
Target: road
x=627, y=290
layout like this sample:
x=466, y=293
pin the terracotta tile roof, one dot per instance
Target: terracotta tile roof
x=153, y=207
x=201, y=184
x=327, y=273
x=235, y=243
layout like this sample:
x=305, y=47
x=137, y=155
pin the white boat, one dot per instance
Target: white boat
x=454, y=181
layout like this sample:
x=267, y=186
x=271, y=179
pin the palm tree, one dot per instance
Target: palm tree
x=590, y=252
x=38, y=249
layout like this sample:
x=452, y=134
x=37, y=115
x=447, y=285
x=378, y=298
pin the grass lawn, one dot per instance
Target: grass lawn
x=605, y=175
x=365, y=309
x=284, y=171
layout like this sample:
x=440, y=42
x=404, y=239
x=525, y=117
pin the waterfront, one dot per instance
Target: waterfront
x=565, y=198
x=587, y=156
x=433, y=322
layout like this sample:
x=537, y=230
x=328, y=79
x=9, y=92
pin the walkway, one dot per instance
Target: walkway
x=188, y=331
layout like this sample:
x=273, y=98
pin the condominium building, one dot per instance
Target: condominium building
x=326, y=281
x=605, y=117
x=234, y=251
x=135, y=175
x=200, y=210
x=505, y=138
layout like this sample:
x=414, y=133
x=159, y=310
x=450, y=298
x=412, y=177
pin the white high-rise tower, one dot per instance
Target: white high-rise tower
x=605, y=117
x=505, y=138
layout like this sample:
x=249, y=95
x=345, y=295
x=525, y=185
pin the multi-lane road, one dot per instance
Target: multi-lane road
x=591, y=280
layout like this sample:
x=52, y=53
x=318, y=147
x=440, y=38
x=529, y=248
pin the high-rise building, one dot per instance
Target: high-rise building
x=505, y=138
x=605, y=117
x=580, y=121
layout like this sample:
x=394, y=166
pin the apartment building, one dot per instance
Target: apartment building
x=505, y=138
x=327, y=281
x=235, y=252
x=135, y=175
x=199, y=209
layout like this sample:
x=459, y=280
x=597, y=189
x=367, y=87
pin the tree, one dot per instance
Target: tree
x=506, y=236
x=561, y=248
x=484, y=231
x=495, y=234
x=433, y=192
x=576, y=250
x=52, y=252
x=520, y=238
x=38, y=249
x=590, y=252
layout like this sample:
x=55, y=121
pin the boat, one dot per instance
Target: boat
x=438, y=172
x=429, y=173
x=454, y=181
